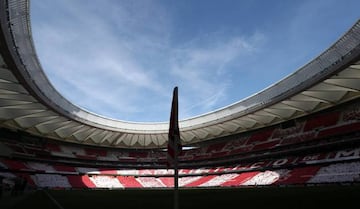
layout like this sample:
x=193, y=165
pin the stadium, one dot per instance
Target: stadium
x=295, y=144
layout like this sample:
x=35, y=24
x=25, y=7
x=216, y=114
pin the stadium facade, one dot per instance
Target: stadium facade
x=302, y=129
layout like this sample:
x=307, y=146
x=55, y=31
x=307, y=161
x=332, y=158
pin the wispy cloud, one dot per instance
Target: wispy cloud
x=101, y=60
x=203, y=69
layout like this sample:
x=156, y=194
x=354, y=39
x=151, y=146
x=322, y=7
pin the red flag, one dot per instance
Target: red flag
x=174, y=145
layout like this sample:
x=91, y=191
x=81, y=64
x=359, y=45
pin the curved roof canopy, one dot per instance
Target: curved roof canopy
x=30, y=103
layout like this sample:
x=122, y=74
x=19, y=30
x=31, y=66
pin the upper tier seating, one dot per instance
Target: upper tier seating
x=343, y=120
x=323, y=120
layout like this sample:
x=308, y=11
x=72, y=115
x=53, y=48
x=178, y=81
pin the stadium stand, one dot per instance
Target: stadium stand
x=298, y=175
x=151, y=182
x=129, y=182
x=80, y=182
x=105, y=181
x=327, y=173
x=51, y=181
x=240, y=179
x=265, y=178
x=339, y=172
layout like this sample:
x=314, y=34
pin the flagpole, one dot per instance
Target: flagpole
x=174, y=145
x=176, y=181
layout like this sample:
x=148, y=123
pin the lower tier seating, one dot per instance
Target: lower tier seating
x=329, y=173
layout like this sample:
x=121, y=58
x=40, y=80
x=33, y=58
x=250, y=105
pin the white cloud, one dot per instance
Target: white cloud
x=203, y=71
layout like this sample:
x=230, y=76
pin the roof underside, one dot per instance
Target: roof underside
x=28, y=102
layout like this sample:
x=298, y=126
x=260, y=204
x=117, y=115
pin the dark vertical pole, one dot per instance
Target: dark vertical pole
x=176, y=180
x=174, y=144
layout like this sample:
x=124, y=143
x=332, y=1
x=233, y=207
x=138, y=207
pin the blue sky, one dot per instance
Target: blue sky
x=122, y=58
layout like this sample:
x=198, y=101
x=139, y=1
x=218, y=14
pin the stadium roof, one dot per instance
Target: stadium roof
x=29, y=102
